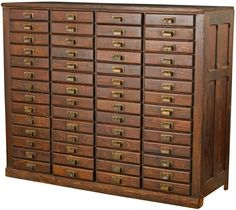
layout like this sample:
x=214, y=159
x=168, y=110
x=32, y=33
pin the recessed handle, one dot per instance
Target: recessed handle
x=169, y=20
x=169, y=48
x=166, y=150
x=118, y=107
x=30, y=143
x=28, y=27
x=71, y=53
x=28, y=15
x=168, y=86
x=118, y=119
x=166, y=163
x=168, y=73
x=117, y=69
x=72, y=174
x=71, y=78
x=28, y=39
x=70, y=41
x=117, y=169
x=72, y=126
x=71, y=101
x=71, y=29
x=167, y=125
x=28, y=51
x=30, y=166
x=167, y=137
x=167, y=112
x=72, y=161
x=71, y=149
x=29, y=98
x=118, y=44
x=29, y=109
x=28, y=62
x=29, y=121
x=71, y=17
x=118, y=82
x=71, y=66
x=117, y=94
x=117, y=155
x=118, y=57
x=30, y=155
x=72, y=138
x=168, y=61
x=119, y=19
x=118, y=132
x=167, y=99
x=116, y=180
x=29, y=74
x=168, y=33
x=30, y=133
x=72, y=91
x=72, y=114
x=165, y=176
x=118, y=32
x=165, y=187
x=117, y=144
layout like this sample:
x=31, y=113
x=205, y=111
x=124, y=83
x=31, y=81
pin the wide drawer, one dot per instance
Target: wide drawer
x=19, y=14
x=78, y=150
x=31, y=39
x=71, y=16
x=29, y=74
x=72, y=28
x=69, y=160
x=73, y=172
x=37, y=27
x=29, y=86
x=117, y=155
x=116, y=167
x=30, y=62
x=30, y=51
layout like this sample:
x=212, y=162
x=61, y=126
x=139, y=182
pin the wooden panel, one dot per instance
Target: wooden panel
x=41, y=87
x=34, y=98
x=72, y=28
x=30, y=62
x=30, y=51
x=29, y=74
x=37, y=27
x=26, y=38
x=19, y=14
x=71, y=16
x=212, y=45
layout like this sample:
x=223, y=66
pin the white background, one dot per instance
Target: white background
x=27, y=195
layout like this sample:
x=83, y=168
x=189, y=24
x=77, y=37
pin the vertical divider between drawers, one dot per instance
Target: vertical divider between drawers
x=50, y=87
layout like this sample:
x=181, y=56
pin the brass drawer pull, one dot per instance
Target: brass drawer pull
x=168, y=61
x=166, y=137
x=28, y=51
x=72, y=161
x=30, y=166
x=167, y=99
x=72, y=126
x=167, y=125
x=165, y=176
x=29, y=86
x=70, y=149
x=28, y=15
x=116, y=57
x=29, y=98
x=119, y=44
x=117, y=144
x=71, y=102
x=72, y=138
x=168, y=86
x=118, y=132
x=72, y=114
x=116, y=180
x=165, y=187
x=166, y=150
x=72, y=174
x=70, y=41
x=169, y=20
x=118, y=119
x=28, y=40
x=29, y=109
x=118, y=107
x=118, y=82
x=117, y=94
x=27, y=27
x=30, y=121
x=118, y=19
x=168, y=33
x=30, y=133
x=117, y=169
x=28, y=62
x=71, y=78
x=29, y=75
x=168, y=73
x=117, y=155
x=166, y=163
x=118, y=32
x=169, y=48
x=167, y=112
x=71, y=17
x=71, y=53
x=30, y=143
x=71, y=28
x=116, y=69
x=71, y=66
x=72, y=91
x=30, y=155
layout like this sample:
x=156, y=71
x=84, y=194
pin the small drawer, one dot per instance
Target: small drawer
x=30, y=132
x=168, y=85
x=118, y=119
x=72, y=102
x=72, y=53
x=119, y=107
x=72, y=28
x=168, y=73
x=169, y=33
x=166, y=19
x=119, y=31
x=36, y=27
x=18, y=14
x=69, y=160
x=73, y=90
x=32, y=166
x=114, y=69
x=75, y=66
x=43, y=122
x=116, y=143
x=167, y=124
x=29, y=74
x=29, y=62
x=165, y=149
x=168, y=99
x=30, y=51
x=76, y=114
x=71, y=16
x=31, y=154
x=118, y=131
x=122, y=82
x=166, y=175
x=118, y=155
x=118, y=168
x=167, y=111
x=169, y=47
x=75, y=78
x=72, y=41
x=72, y=138
x=117, y=56
x=78, y=150
x=118, y=94
x=167, y=137
x=167, y=162
x=83, y=174
x=73, y=126
x=29, y=39
x=120, y=44
x=41, y=87
x=166, y=187
x=31, y=143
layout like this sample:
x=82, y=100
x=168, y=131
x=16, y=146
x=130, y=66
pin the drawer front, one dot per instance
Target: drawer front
x=72, y=138
x=30, y=51
x=30, y=62
x=72, y=28
x=31, y=39
x=78, y=150
x=41, y=87
x=18, y=14
x=119, y=168
x=73, y=172
x=118, y=18
x=69, y=160
x=34, y=98
x=37, y=27
x=29, y=74
x=72, y=16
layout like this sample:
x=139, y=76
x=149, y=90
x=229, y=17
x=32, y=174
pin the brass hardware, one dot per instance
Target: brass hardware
x=30, y=155
x=29, y=86
x=72, y=138
x=169, y=20
x=72, y=174
x=28, y=51
x=71, y=28
x=28, y=62
x=27, y=27
x=72, y=126
x=118, y=18
x=117, y=69
x=71, y=53
x=70, y=149
x=166, y=163
x=165, y=187
x=72, y=91
x=116, y=180
x=30, y=133
x=118, y=107
x=165, y=176
x=117, y=156
x=29, y=109
x=72, y=114
x=168, y=73
x=167, y=112
x=71, y=17
x=71, y=66
x=71, y=78
x=117, y=169
x=28, y=39
x=167, y=125
x=117, y=82
x=166, y=137
x=30, y=166
x=29, y=98
x=72, y=161
x=167, y=99
x=168, y=86
x=71, y=102
x=118, y=144
x=118, y=32
x=118, y=132
x=30, y=121
x=117, y=94
x=70, y=41
x=30, y=143
x=118, y=44
x=116, y=57
x=118, y=119
x=168, y=33
x=166, y=150
x=29, y=75
x=169, y=48
x=28, y=15
x=168, y=61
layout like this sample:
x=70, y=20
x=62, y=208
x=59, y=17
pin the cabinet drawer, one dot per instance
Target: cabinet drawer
x=168, y=73
x=169, y=33
x=165, y=149
x=30, y=51
x=119, y=31
x=76, y=114
x=118, y=94
x=31, y=143
x=78, y=150
x=68, y=77
x=120, y=180
x=31, y=39
x=30, y=132
x=118, y=131
x=73, y=126
x=72, y=16
x=117, y=143
x=72, y=138
x=29, y=74
x=76, y=90
x=118, y=155
x=72, y=41
x=118, y=119
x=72, y=28
x=117, y=56
x=166, y=19
x=119, y=107
x=83, y=174
x=43, y=122
x=166, y=175
x=37, y=27
x=114, y=43
x=116, y=167
x=41, y=87
x=167, y=162
x=18, y=14
x=30, y=62
x=31, y=154
x=31, y=165
x=74, y=161
x=167, y=187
